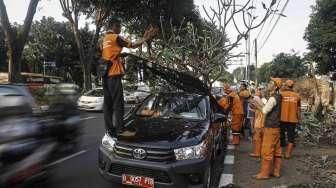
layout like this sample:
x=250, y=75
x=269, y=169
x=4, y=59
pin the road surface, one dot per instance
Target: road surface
x=80, y=169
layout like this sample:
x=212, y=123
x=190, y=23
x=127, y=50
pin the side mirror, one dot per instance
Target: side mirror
x=219, y=118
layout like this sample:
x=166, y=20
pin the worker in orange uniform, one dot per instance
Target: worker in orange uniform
x=271, y=150
x=290, y=116
x=258, y=126
x=231, y=103
x=245, y=95
x=111, y=46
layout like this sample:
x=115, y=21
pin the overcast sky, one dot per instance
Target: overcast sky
x=287, y=35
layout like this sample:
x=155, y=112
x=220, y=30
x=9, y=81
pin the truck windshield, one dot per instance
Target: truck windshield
x=175, y=106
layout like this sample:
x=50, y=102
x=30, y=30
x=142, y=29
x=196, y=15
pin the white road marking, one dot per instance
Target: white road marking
x=66, y=158
x=280, y=186
x=226, y=179
x=231, y=147
x=229, y=160
x=87, y=118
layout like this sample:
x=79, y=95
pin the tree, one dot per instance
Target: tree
x=265, y=72
x=321, y=35
x=283, y=66
x=16, y=38
x=3, y=51
x=71, y=11
x=50, y=40
x=226, y=77
x=240, y=72
x=202, y=47
x=288, y=66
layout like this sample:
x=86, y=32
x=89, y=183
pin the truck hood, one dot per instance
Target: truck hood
x=163, y=133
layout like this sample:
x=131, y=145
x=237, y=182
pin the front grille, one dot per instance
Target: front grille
x=157, y=175
x=153, y=155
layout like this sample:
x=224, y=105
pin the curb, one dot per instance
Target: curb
x=226, y=178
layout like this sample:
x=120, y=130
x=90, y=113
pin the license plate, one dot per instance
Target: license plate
x=138, y=181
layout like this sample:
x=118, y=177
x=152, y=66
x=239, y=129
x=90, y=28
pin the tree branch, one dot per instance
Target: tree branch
x=28, y=21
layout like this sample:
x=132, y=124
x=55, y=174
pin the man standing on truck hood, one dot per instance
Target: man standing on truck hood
x=271, y=152
x=111, y=46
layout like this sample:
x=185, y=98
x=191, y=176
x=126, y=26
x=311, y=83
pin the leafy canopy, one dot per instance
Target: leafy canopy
x=321, y=35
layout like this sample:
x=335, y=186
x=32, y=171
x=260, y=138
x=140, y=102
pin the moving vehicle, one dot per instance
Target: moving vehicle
x=24, y=148
x=93, y=100
x=169, y=140
x=62, y=122
x=137, y=96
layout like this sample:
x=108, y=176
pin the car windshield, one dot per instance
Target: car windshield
x=175, y=106
x=95, y=93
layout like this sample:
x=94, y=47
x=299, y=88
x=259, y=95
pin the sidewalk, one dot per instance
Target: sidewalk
x=292, y=171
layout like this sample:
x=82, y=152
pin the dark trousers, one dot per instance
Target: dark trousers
x=113, y=104
x=287, y=133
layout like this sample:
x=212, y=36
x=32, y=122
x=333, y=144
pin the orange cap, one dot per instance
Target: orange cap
x=290, y=83
x=227, y=88
x=277, y=82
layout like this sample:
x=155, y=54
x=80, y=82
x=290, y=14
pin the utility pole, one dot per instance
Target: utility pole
x=256, y=61
x=247, y=54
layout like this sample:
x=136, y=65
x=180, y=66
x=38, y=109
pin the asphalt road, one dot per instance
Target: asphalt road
x=80, y=169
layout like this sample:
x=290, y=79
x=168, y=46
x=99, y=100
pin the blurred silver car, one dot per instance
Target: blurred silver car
x=15, y=95
x=93, y=100
x=137, y=96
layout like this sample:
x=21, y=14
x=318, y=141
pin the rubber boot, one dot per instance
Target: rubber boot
x=289, y=150
x=264, y=173
x=277, y=167
x=257, y=149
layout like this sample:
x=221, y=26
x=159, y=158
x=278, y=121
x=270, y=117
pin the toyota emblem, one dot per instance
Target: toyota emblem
x=139, y=153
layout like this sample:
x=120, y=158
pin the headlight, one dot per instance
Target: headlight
x=192, y=152
x=108, y=142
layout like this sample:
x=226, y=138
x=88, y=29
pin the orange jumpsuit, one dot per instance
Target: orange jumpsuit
x=258, y=131
x=233, y=104
x=290, y=113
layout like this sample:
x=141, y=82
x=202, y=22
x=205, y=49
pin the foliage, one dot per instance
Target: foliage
x=54, y=41
x=240, y=72
x=202, y=47
x=283, y=66
x=16, y=38
x=317, y=131
x=265, y=72
x=288, y=66
x=321, y=35
x=3, y=51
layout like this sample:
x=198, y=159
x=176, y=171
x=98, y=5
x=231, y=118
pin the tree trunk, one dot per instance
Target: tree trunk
x=14, y=64
x=16, y=39
x=92, y=49
x=86, y=72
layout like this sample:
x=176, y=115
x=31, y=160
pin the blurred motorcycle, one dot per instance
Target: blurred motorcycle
x=62, y=120
x=24, y=149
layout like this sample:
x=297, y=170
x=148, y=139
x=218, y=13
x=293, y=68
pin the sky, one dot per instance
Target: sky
x=287, y=35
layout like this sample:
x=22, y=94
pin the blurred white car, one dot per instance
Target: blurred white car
x=137, y=96
x=93, y=100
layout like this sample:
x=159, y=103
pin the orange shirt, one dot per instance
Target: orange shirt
x=237, y=106
x=111, y=51
x=290, y=105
